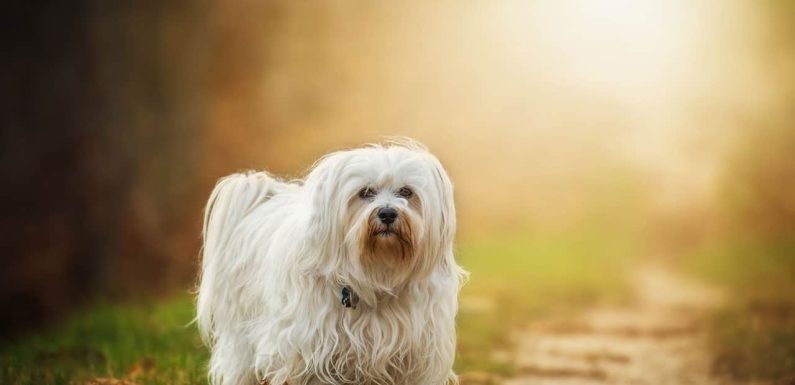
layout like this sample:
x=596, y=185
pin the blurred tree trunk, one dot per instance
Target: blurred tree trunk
x=102, y=107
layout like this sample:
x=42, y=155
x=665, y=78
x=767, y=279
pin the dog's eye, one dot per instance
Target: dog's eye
x=405, y=192
x=367, y=193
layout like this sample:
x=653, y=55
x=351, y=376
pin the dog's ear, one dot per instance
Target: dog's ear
x=441, y=210
x=322, y=187
x=446, y=215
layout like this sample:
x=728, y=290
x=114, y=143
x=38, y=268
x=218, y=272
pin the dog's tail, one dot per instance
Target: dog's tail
x=233, y=198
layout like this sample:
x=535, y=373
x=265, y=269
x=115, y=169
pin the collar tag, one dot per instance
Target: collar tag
x=349, y=298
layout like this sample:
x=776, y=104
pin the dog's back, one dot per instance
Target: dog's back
x=232, y=199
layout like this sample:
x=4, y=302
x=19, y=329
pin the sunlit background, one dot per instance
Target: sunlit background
x=584, y=138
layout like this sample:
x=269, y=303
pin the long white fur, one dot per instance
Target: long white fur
x=277, y=254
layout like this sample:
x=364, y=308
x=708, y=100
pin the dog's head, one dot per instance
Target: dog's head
x=383, y=214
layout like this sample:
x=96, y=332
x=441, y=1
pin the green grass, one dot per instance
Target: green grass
x=518, y=278
x=753, y=335
x=112, y=341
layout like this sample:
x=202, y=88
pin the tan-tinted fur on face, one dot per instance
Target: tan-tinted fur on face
x=392, y=257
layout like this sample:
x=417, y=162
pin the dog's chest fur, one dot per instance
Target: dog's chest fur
x=399, y=341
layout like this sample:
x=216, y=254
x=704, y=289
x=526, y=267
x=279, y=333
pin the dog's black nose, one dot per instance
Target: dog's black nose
x=387, y=215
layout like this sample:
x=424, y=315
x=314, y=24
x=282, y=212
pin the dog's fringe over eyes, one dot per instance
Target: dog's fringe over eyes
x=278, y=255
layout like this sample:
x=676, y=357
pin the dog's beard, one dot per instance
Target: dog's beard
x=388, y=253
x=391, y=244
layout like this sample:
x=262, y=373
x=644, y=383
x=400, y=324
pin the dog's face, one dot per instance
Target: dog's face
x=385, y=222
x=388, y=209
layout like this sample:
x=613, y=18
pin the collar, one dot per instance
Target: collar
x=349, y=297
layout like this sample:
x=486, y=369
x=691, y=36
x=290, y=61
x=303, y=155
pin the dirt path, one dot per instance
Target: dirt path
x=660, y=339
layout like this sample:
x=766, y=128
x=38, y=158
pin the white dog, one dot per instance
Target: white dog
x=346, y=277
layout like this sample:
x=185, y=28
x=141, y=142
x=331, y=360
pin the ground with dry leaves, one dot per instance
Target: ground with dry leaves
x=659, y=337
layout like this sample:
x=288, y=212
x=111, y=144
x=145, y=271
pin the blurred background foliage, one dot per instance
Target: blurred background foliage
x=582, y=137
